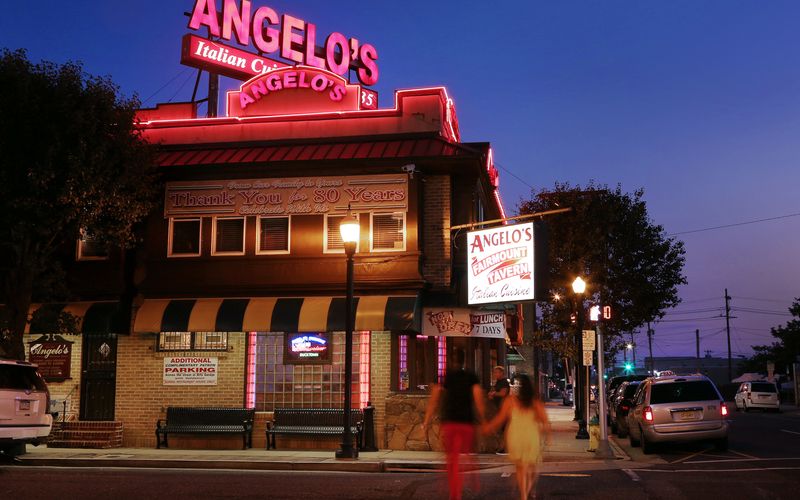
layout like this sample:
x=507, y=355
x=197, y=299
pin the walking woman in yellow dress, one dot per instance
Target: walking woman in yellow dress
x=525, y=433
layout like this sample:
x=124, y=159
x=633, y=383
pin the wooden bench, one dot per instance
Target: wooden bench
x=183, y=420
x=317, y=421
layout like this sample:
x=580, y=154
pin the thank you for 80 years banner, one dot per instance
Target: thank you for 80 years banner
x=500, y=264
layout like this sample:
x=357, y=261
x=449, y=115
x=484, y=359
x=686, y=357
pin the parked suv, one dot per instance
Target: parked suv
x=678, y=409
x=24, y=405
x=762, y=395
x=620, y=406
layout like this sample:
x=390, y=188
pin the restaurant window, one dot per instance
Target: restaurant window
x=421, y=361
x=388, y=232
x=193, y=341
x=228, y=236
x=184, y=237
x=333, y=238
x=89, y=248
x=274, y=383
x=273, y=235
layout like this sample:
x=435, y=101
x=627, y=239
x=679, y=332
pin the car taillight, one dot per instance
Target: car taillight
x=723, y=408
x=624, y=407
x=648, y=414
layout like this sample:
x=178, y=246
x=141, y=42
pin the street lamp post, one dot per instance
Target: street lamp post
x=350, y=232
x=581, y=373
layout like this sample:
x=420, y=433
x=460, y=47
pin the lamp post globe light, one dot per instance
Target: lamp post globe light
x=581, y=373
x=350, y=231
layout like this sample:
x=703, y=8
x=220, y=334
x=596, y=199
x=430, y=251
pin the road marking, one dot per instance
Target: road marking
x=505, y=474
x=742, y=460
x=742, y=454
x=634, y=477
x=790, y=432
x=754, y=469
x=690, y=456
x=565, y=474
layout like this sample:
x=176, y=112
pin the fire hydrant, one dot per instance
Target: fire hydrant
x=594, y=433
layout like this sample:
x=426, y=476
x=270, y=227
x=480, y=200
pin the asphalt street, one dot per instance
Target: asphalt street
x=763, y=461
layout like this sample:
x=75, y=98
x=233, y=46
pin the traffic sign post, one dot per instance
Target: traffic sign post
x=589, y=343
x=587, y=358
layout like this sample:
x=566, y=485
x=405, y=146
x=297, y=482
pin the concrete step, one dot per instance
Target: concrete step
x=88, y=443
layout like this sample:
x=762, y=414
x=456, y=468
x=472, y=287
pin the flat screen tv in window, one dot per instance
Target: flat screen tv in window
x=307, y=349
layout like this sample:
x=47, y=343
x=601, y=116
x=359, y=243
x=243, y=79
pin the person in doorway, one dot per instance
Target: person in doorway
x=459, y=393
x=498, y=394
x=527, y=428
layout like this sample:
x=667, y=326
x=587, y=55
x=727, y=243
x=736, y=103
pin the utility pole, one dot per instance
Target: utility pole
x=633, y=352
x=697, y=342
x=650, y=342
x=728, y=328
x=213, y=95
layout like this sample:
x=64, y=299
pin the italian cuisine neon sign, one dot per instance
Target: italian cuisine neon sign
x=284, y=36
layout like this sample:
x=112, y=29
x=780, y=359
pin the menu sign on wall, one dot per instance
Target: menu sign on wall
x=463, y=322
x=500, y=264
x=287, y=196
x=185, y=370
x=54, y=357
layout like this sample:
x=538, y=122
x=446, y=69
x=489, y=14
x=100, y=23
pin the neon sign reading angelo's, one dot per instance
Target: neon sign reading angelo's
x=294, y=39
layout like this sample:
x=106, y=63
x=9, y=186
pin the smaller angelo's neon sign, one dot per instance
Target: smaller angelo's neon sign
x=292, y=78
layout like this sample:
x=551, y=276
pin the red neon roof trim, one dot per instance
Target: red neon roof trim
x=381, y=148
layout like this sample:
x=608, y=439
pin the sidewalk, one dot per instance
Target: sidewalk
x=562, y=451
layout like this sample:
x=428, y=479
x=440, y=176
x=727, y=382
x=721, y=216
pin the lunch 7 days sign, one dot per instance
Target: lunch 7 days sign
x=500, y=264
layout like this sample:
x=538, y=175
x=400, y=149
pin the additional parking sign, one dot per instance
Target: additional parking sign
x=589, y=340
x=587, y=358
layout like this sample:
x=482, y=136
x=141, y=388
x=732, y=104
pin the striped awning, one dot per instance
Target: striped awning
x=93, y=317
x=277, y=314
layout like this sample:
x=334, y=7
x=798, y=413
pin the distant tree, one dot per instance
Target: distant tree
x=627, y=260
x=70, y=161
x=783, y=352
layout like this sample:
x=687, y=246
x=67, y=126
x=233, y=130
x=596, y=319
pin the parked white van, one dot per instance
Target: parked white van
x=24, y=405
x=762, y=395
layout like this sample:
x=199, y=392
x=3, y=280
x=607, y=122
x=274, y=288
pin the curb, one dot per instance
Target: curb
x=354, y=466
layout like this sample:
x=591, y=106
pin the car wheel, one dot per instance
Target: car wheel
x=721, y=444
x=647, y=446
x=634, y=441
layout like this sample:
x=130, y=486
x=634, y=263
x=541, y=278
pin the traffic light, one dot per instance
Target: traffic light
x=628, y=367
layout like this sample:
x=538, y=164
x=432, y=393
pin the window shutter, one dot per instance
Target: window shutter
x=274, y=234
x=387, y=231
x=334, y=236
x=186, y=237
x=230, y=235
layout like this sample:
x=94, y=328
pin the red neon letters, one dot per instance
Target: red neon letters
x=294, y=38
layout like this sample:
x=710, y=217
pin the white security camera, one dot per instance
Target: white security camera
x=409, y=169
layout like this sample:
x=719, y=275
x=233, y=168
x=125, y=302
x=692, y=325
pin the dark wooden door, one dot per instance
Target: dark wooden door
x=98, y=381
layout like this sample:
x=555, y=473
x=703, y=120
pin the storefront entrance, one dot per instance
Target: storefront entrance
x=98, y=381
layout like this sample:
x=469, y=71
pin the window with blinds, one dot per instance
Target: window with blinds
x=333, y=238
x=184, y=236
x=273, y=235
x=388, y=232
x=229, y=235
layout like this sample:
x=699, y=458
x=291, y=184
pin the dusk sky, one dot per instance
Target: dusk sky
x=697, y=102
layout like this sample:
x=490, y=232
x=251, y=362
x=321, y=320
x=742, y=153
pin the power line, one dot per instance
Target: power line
x=734, y=224
x=177, y=75
x=512, y=174
x=761, y=300
x=695, y=311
